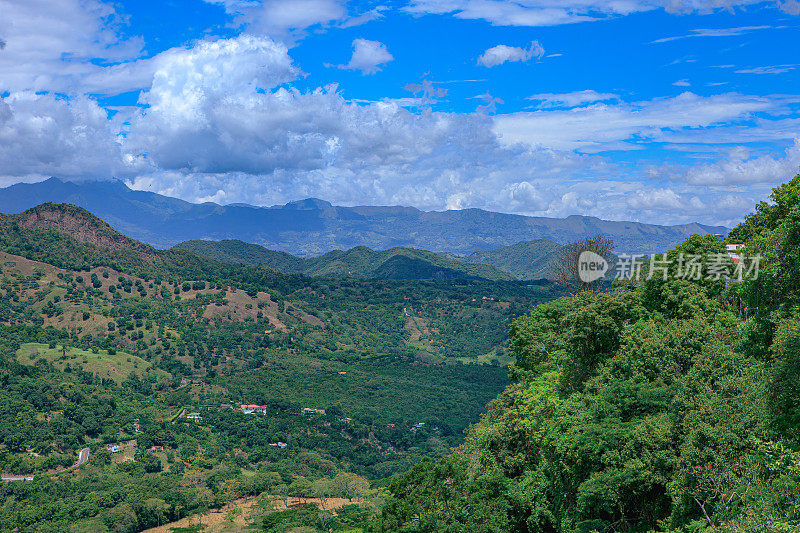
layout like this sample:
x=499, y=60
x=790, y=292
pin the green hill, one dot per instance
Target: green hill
x=525, y=260
x=358, y=262
x=240, y=252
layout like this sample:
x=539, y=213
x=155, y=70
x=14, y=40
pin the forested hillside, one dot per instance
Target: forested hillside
x=106, y=341
x=668, y=404
x=359, y=262
x=525, y=260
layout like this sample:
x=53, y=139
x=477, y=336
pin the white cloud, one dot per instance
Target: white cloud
x=682, y=83
x=571, y=99
x=658, y=199
x=53, y=45
x=772, y=69
x=740, y=167
x=602, y=127
x=555, y=12
x=714, y=32
x=368, y=56
x=236, y=7
x=368, y=16
x=285, y=20
x=220, y=119
x=222, y=122
x=201, y=99
x=524, y=196
x=790, y=6
x=43, y=135
x=497, y=55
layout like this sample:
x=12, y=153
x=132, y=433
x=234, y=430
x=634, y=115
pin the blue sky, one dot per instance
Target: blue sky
x=662, y=111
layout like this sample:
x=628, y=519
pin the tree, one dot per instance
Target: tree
x=350, y=485
x=443, y=495
x=322, y=488
x=121, y=519
x=158, y=509
x=569, y=265
x=300, y=488
x=784, y=396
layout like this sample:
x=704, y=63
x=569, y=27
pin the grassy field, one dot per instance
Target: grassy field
x=117, y=367
x=239, y=516
x=502, y=359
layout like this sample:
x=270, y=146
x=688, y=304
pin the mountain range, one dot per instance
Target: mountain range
x=313, y=227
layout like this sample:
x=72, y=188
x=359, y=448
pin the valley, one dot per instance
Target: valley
x=107, y=340
x=226, y=396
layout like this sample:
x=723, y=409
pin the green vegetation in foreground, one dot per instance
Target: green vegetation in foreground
x=358, y=262
x=664, y=405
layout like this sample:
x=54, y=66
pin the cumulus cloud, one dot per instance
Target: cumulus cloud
x=741, y=167
x=368, y=56
x=555, y=12
x=43, y=135
x=497, y=55
x=202, y=100
x=52, y=45
x=222, y=122
x=239, y=129
x=662, y=199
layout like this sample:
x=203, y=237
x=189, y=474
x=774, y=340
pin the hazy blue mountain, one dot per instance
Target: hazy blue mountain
x=312, y=227
x=358, y=262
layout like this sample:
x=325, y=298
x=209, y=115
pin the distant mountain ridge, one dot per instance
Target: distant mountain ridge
x=358, y=262
x=312, y=227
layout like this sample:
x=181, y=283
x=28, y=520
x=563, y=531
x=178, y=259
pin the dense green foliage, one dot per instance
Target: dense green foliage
x=104, y=340
x=664, y=405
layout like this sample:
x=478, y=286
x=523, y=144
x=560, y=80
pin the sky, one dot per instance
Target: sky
x=659, y=111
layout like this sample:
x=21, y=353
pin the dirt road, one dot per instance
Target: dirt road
x=83, y=456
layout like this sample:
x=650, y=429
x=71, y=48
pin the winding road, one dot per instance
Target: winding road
x=83, y=456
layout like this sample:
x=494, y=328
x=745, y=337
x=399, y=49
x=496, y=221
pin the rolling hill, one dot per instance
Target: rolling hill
x=525, y=260
x=313, y=227
x=358, y=262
